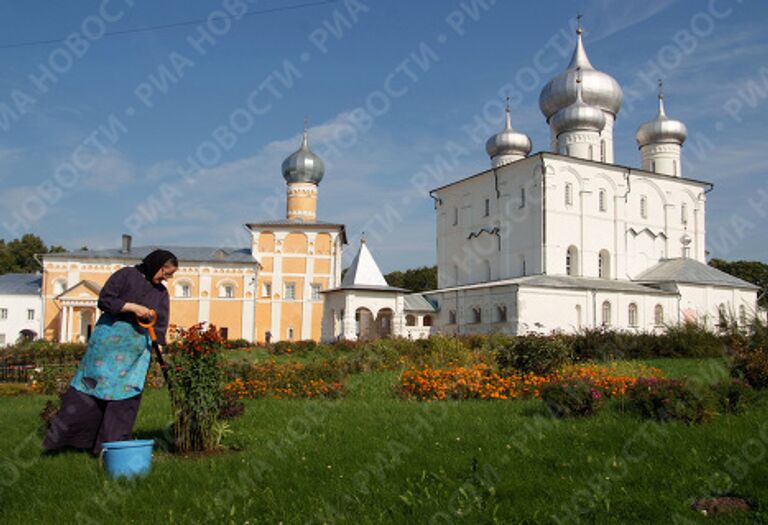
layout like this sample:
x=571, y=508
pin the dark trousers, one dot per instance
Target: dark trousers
x=85, y=422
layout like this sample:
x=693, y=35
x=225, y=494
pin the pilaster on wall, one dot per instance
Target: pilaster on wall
x=306, y=306
x=204, y=295
x=277, y=285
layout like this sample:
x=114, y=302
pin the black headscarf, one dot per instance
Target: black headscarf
x=154, y=261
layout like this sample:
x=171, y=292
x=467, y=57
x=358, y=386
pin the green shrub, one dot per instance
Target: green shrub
x=687, y=340
x=752, y=366
x=733, y=396
x=572, y=398
x=534, y=353
x=670, y=400
x=196, y=388
x=51, y=379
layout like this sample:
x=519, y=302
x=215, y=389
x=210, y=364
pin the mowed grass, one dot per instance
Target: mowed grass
x=372, y=458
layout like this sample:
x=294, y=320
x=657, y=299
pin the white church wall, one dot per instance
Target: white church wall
x=456, y=314
x=470, y=211
x=543, y=310
x=635, y=217
x=702, y=303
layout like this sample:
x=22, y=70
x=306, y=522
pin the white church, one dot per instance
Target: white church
x=560, y=240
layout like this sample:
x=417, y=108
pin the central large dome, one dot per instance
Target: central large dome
x=598, y=89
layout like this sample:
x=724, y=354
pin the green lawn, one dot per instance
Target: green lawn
x=371, y=458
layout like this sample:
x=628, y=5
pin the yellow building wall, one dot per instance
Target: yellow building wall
x=291, y=316
x=267, y=242
x=228, y=314
x=295, y=242
x=184, y=312
x=263, y=319
x=323, y=244
x=267, y=264
x=323, y=266
x=294, y=265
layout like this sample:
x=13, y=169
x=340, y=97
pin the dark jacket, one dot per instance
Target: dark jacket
x=128, y=285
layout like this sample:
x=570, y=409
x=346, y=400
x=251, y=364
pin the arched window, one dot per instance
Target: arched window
x=183, y=289
x=632, y=314
x=451, y=316
x=721, y=314
x=602, y=200
x=522, y=264
x=742, y=315
x=501, y=313
x=572, y=261
x=455, y=216
x=578, y=316
x=674, y=168
x=477, y=315
x=604, y=265
x=59, y=285
x=290, y=334
x=410, y=320
x=606, y=311
x=227, y=290
x=427, y=320
x=684, y=213
x=653, y=165
x=568, y=194
x=643, y=206
x=602, y=151
x=487, y=270
x=522, y=197
x=591, y=152
x=658, y=315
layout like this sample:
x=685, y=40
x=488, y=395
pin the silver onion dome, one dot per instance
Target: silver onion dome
x=303, y=165
x=579, y=116
x=508, y=141
x=599, y=89
x=661, y=130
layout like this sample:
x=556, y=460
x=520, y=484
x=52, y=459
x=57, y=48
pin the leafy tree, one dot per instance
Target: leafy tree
x=18, y=255
x=754, y=272
x=416, y=279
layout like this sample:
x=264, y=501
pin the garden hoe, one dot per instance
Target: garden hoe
x=150, y=326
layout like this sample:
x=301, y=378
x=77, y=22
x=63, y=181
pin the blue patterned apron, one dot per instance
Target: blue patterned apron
x=116, y=362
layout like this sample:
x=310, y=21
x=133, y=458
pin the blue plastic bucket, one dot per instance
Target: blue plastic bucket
x=128, y=458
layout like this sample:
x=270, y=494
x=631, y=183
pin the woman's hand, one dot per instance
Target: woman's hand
x=142, y=312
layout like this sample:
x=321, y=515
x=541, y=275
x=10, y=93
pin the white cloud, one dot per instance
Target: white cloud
x=612, y=16
x=109, y=172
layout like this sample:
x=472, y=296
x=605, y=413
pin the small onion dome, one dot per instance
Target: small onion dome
x=508, y=141
x=303, y=165
x=599, y=89
x=661, y=130
x=579, y=116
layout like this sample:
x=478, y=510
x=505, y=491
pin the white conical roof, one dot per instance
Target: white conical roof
x=364, y=270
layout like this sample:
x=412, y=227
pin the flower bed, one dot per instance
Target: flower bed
x=484, y=382
x=286, y=380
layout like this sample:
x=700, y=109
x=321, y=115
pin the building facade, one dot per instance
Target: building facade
x=269, y=290
x=21, y=307
x=565, y=240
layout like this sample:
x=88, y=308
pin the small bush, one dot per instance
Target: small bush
x=534, y=353
x=15, y=389
x=733, y=396
x=51, y=379
x=572, y=398
x=752, y=366
x=670, y=400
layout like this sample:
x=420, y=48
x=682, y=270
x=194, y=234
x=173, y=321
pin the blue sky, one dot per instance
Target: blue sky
x=101, y=145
